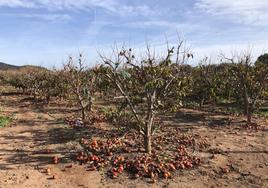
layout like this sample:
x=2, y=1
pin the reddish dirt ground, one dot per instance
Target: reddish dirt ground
x=24, y=147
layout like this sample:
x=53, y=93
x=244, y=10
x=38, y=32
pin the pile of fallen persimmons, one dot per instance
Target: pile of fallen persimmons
x=125, y=156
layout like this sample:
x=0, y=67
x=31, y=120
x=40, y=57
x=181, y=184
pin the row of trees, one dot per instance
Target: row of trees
x=151, y=84
x=237, y=79
x=38, y=82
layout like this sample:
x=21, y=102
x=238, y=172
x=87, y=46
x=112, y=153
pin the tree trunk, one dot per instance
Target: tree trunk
x=80, y=100
x=246, y=106
x=149, y=124
x=148, y=137
x=89, y=106
x=48, y=99
x=229, y=95
x=83, y=114
x=249, y=113
x=83, y=110
x=201, y=103
x=35, y=96
x=249, y=118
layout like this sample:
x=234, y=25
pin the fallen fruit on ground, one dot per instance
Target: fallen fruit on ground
x=55, y=160
x=123, y=156
x=47, y=171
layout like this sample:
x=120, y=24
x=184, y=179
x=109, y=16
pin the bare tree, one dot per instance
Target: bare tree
x=82, y=82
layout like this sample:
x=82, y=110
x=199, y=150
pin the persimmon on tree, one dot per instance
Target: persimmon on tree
x=145, y=83
x=81, y=83
x=251, y=79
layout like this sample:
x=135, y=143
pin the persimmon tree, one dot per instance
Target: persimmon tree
x=104, y=87
x=27, y=80
x=145, y=83
x=251, y=79
x=204, y=82
x=262, y=64
x=224, y=82
x=51, y=84
x=81, y=83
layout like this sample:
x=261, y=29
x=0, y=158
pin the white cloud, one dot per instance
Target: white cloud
x=143, y=10
x=56, y=4
x=77, y=4
x=115, y=6
x=50, y=17
x=46, y=17
x=256, y=48
x=251, y=12
x=158, y=23
x=169, y=27
x=17, y=3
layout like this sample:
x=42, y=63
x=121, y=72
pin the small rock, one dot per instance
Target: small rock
x=54, y=177
x=234, y=168
x=212, y=156
x=261, y=166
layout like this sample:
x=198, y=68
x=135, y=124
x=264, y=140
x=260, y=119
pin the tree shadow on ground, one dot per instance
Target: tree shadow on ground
x=39, y=142
x=247, y=151
x=38, y=152
x=13, y=158
x=11, y=94
x=192, y=119
x=31, y=145
x=188, y=117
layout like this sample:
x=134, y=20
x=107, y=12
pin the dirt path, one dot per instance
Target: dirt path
x=39, y=133
x=27, y=147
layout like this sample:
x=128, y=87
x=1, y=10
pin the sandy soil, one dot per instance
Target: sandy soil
x=39, y=133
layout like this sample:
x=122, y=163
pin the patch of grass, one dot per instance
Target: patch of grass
x=5, y=121
x=233, y=110
x=263, y=111
x=39, y=117
x=191, y=104
x=225, y=102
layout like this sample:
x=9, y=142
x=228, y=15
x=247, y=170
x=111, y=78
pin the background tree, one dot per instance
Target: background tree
x=251, y=79
x=81, y=83
x=51, y=84
x=204, y=82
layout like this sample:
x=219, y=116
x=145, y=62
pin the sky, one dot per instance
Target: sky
x=46, y=32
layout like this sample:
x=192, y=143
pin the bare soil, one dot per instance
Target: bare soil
x=39, y=133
